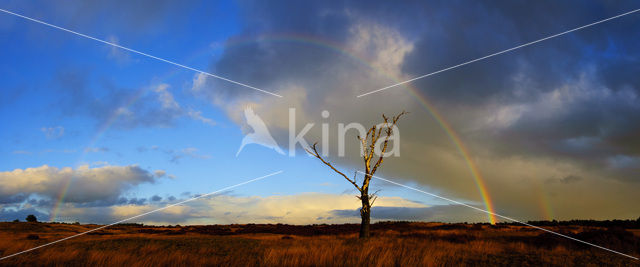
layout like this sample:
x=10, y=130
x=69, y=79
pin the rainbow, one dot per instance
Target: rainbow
x=545, y=205
x=97, y=136
x=104, y=127
x=338, y=48
x=477, y=177
x=423, y=100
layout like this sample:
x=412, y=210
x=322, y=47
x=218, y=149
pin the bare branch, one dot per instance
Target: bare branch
x=388, y=133
x=363, y=141
x=317, y=155
x=373, y=200
x=374, y=196
x=368, y=145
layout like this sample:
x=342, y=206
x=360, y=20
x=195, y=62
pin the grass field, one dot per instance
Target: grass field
x=391, y=244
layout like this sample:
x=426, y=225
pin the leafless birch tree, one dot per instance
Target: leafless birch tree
x=372, y=162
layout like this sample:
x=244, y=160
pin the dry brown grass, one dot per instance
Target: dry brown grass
x=405, y=244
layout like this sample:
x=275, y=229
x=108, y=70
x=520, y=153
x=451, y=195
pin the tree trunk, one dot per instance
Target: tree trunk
x=365, y=214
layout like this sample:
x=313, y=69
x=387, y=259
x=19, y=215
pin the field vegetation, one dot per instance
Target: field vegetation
x=390, y=244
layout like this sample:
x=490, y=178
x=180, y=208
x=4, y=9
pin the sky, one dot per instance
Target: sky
x=97, y=134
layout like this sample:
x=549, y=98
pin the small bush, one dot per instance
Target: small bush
x=31, y=218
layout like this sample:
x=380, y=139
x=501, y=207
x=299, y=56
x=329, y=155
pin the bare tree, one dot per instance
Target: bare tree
x=371, y=165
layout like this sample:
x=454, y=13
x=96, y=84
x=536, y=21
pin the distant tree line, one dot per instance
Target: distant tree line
x=628, y=224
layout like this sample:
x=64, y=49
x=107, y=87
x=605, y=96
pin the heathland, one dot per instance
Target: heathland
x=391, y=244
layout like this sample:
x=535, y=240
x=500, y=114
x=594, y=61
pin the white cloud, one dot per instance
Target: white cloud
x=166, y=98
x=304, y=208
x=115, y=53
x=170, y=105
x=384, y=47
x=95, y=149
x=53, y=132
x=189, y=152
x=197, y=115
x=199, y=82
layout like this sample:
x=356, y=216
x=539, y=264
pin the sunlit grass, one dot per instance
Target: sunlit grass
x=405, y=244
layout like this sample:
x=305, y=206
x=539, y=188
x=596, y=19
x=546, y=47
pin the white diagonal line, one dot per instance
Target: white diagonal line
x=504, y=217
x=498, y=53
x=143, y=214
x=140, y=53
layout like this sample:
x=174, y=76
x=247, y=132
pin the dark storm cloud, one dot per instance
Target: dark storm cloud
x=473, y=30
x=565, y=106
x=446, y=32
x=450, y=33
x=605, y=109
x=274, y=49
x=607, y=125
x=14, y=198
x=21, y=214
x=566, y=180
x=137, y=201
x=136, y=16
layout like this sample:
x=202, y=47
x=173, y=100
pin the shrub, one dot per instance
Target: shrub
x=31, y=218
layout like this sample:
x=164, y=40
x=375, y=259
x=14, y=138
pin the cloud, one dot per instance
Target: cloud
x=197, y=115
x=566, y=180
x=21, y=214
x=175, y=155
x=189, y=152
x=439, y=213
x=115, y=53
x=96, y=149
x=13, y=198
x=301, y=208
x=166, y=98
x=199, y=82
x=25, y=152
x=53, y=132
x=566, y=106
x=143, y=149
x=86, y=185
x=137, y=201
x=150, y=106
x=137, y=18
x=304, y=208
